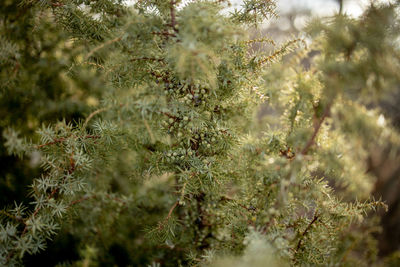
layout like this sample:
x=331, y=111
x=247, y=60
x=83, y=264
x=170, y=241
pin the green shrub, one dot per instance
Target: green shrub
x=170, y=168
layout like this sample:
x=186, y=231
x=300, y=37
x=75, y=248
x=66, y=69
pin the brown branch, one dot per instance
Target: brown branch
x=9, y=256
x=116, y=199
x=91, y=115
x=36, y=211
x=11, y=216
x=80, y=200
x=57, y=140
x=316, y=217
x=161, y=224
x=164, y=33
x=317, y=127
x=77, y=201
x=148, y=59
x=171, y=210
x=92, y=137
x=340, y=7
x=117, y=39
x=169, y=115
x=228, y=198
x=63, y=139
x=16, y=68
x=157, y=75
x=57, y=4
x=173, y=16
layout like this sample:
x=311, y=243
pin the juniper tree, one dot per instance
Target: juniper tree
x=169, y=168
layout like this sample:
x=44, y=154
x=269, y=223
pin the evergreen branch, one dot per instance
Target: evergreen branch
x=16, y=68
x=164, y=33
x=271, y=57
x=80, y=200
x=317, y=127
x=11, y=216
x=94, y=64
x=227, y=198
x=169, y=115
x=10, y=255
x=36, y=211
x=57, y=140
x=305, y=232
x=77, y=201
x=173, y=16
x=283, y=50
x=57, y=4
x=146, y=124
x=148, y=59
x=117, y=39
x=171, y=210
x=161, y=225
x=183, y=190
x=71, y=169
x=260, y=40
x=63, y=139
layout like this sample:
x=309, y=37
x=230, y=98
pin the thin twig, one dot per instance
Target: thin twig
x=227, y=198
x=171, y=210
x=173, y=16
x=169, y=115
x=57, y=4
x=162, y=224
x=147, y=59
x=77, y=201
x=317, y=127
x=153, y=140
x=91, y=115
x=117, y=39
x=57, y=140
x=80, y=200
x=164, y=33
x=316, y=217
x=63, y=139
x=11, y=216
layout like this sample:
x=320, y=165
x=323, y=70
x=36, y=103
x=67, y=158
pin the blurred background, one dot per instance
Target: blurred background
x=325, y=7
x=294, y=14
x=293, y=18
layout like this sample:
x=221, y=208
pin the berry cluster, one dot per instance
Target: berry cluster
x=177, y=154
x=185, y=91
x=195, y=94
x=177, y=124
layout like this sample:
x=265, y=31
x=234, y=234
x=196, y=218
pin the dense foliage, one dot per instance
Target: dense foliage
x=141, y=125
